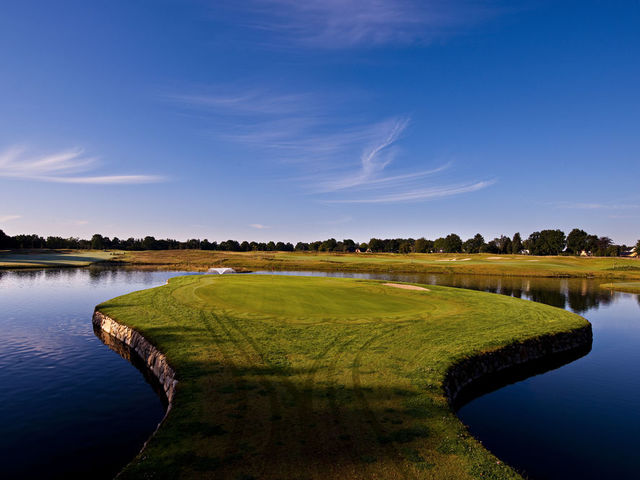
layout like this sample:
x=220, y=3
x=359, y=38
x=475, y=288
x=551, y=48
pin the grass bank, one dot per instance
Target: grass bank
x=320, y=378
x=484, y=264
x=51, y=258
x=629, y=287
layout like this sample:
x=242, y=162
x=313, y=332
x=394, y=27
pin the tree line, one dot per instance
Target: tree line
x=544, y=242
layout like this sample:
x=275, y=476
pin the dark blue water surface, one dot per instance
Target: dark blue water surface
x=71, y=407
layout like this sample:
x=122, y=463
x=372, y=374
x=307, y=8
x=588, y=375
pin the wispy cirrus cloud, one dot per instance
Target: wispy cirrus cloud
x=67, y=166
x=259, y=226
x=331, y=155
x=353, y=23
x=8, y=218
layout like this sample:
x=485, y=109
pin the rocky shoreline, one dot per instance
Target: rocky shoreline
x=153, y=359
x=465, y=373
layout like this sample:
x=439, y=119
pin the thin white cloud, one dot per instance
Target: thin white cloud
x=259, y=226
x=8, y=218
x=420, y=195
x=62, y=167
x=353, y=23
x=328, y=153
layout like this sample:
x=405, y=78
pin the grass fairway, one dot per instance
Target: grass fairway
x=51, y=258
x=483, y=264
x=319, y=378
x=629, y=287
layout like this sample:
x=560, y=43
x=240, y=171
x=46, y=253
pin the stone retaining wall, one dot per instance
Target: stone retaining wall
x=465, y=372
x=154, y=360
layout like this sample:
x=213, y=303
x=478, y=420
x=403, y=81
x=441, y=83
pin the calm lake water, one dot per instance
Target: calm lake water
x=72, y=407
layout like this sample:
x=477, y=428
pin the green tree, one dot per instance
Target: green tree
x=473, y=245
x=452, y=243
x=546, y=242
x=577, y=241
x=97, y=242
x=637, y=249
x=376, y=245
x=420, y=246
x=516, y=244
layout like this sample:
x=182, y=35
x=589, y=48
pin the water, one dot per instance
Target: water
x=72, y=407
x=580, y=420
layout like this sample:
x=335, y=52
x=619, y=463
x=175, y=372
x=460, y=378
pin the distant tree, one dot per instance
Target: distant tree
x=516, y=243
x=473, y=245
x=613, y=251
x=149, y=243
x=490, y=247
x=348, y=245
x=302, y=247
x=376, y=245
x=420, y=246
x=57, y=242
x=280, y=246
x=329, y=245
x=602, y=244
x=452, y=243
x=97, y=242
x=5, y=240
x=271, y=246
x=577, y=241
x=315, y=246
x=504, y=244
x=592, y=244
x=406, y=246
x=546, y=242
x=363, y=247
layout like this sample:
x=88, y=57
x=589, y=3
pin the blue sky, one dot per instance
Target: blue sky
x=287, y=120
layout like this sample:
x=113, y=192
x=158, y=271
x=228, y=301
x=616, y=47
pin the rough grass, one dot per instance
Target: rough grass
x=51, y=258
x=485, y=264
x=629, y=287
x=320, y=378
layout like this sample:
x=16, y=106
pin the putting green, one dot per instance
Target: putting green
x=284, y=377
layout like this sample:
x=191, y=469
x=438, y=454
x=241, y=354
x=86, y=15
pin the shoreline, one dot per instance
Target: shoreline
x=153, y=360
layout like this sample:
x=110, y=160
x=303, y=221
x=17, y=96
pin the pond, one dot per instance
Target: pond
x=73, y=407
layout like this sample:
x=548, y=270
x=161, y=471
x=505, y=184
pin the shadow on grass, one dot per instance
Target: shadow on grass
x=269, y=422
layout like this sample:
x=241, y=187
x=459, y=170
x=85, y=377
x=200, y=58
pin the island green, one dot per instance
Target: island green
x=285, y=377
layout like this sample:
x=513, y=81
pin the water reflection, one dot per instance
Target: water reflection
x=71, y=408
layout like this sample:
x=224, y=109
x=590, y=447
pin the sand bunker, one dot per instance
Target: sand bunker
x=495, y=258
x=453, y=260
x=406, y=287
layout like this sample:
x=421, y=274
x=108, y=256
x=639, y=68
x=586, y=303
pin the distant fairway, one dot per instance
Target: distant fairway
x=449, y=263
x=320, y=378
x=51, y=258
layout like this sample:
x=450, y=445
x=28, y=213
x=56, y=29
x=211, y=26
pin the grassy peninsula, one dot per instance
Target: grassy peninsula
x=628, y=287
x=320, y=378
